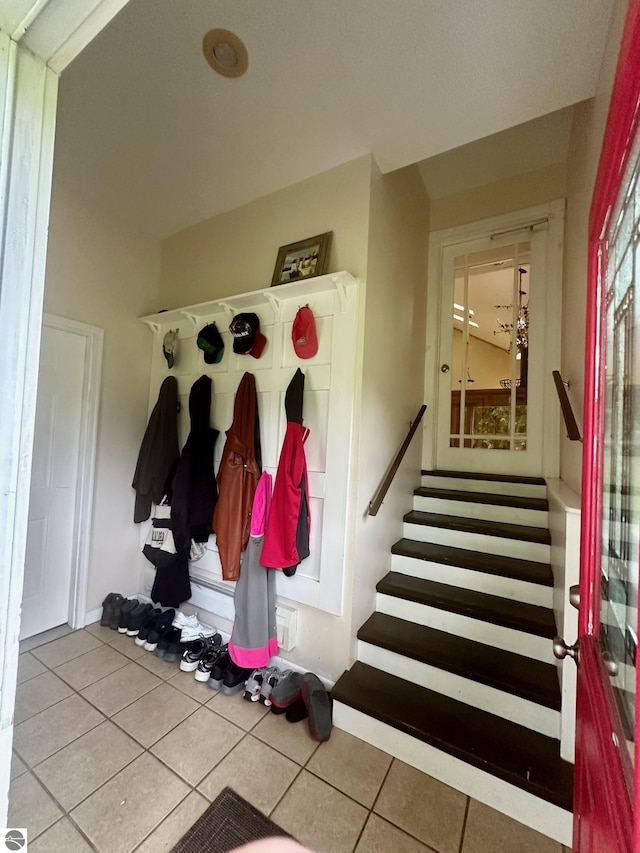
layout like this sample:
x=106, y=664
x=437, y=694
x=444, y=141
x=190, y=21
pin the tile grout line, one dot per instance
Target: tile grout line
x=464, y=824
x=191, y=788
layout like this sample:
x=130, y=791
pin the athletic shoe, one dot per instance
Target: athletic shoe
x=219, y=668
x=149, y=623
x=161, y=625
x=234, y=678
x=117, y=601
x=184, y=621
x=137, y=618
x=210, y=663
x=107, y=609
x=253, y=684
x=196, y=650
x=125, y=611
x=169, y=635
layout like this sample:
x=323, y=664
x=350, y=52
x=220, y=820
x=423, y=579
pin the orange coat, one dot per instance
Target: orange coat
x=238, y=475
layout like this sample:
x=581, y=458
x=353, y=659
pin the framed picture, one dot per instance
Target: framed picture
x=303, y=259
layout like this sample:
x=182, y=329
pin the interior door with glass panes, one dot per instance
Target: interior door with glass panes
x=490, y=400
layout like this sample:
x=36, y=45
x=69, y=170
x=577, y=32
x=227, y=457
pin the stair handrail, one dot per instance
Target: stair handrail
x=573, y=433
x=376, y=501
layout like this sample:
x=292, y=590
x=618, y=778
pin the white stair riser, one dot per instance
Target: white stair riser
x=520, y=490
x=486, y=512
x=522, y=806
x=529, y=593
x=519, y=642
x=517, y=548
x=498, y=702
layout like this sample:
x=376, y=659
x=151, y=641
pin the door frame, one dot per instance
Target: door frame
x=519, y=221
x=38, y=39
x=92, y=374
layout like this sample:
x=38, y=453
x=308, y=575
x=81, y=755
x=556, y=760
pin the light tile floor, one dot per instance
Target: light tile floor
x=115, y=750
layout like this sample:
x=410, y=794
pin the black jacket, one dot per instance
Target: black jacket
x=158, y=451
x=195, y=492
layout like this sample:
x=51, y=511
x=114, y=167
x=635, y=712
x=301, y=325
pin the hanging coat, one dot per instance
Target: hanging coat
x=286, y=539
x=194, y=491
x=238, y=475
x=158, y=452
x=254, y=638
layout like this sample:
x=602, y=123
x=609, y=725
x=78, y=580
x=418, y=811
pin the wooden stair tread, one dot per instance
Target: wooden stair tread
x=540, y=504
x=521, y=532
x=494, y=564
x=506, y=671
x=476, y=605
x=511, y=752
x=492, y=478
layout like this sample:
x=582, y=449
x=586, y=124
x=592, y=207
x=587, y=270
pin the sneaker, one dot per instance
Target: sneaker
x=114, y=619
x=107, y=609
x=184, y=621
x=149, y=623
x=221, y=666
x=175, y=648
x=160, y=626
x=234, y=678
x=211, y=663
x=137, y=618
x=253, y=684
x=169, y=636
x=193, y=630
x=125, y=610
x=196, y=650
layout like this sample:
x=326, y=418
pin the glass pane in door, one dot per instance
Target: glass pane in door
x=491, y=337
x=621, y=480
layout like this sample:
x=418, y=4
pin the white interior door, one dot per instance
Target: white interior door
x=52, y=524
x=490, y=411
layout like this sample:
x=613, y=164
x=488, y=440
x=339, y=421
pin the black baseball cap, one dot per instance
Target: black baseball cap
x=210, y=342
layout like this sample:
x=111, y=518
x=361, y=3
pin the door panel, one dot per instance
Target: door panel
x=490, y=389
x=607, y=800
x=52, y=505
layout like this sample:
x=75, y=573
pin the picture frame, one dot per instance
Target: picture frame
x=302, y=260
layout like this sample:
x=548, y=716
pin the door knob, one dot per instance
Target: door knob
x=561, y=650
x=445, y=368
x=574, y=596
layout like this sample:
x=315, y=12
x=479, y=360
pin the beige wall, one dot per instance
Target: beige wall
x=105, y=275
x=393, y=370
x=584, y=152
x=494, y=199
x=236, y=252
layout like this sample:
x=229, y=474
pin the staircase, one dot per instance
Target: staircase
x=455, y=672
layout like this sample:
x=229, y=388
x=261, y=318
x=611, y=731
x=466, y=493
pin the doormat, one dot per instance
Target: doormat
x=229, y=822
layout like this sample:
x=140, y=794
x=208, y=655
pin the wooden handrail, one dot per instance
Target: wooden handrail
x=567, y=412
x=376, y=502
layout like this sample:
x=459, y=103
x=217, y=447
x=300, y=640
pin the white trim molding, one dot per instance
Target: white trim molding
x=94, y=337
x=38, y=38
x=549, y=216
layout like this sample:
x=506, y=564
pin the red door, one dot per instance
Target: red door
x=607, y=798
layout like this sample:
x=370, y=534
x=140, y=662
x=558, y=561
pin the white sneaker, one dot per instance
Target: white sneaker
x=190, y=632
x=183, y=621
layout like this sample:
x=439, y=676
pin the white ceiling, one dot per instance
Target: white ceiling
x=149, y=133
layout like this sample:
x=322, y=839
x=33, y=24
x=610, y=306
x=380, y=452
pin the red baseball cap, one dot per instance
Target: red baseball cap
x=303, y=333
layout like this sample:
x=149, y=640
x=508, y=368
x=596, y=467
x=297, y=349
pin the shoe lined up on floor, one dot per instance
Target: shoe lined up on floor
x=196, y=650
x=111, y=610
x=302, y=696
x=147, y=625
x=191, y=627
